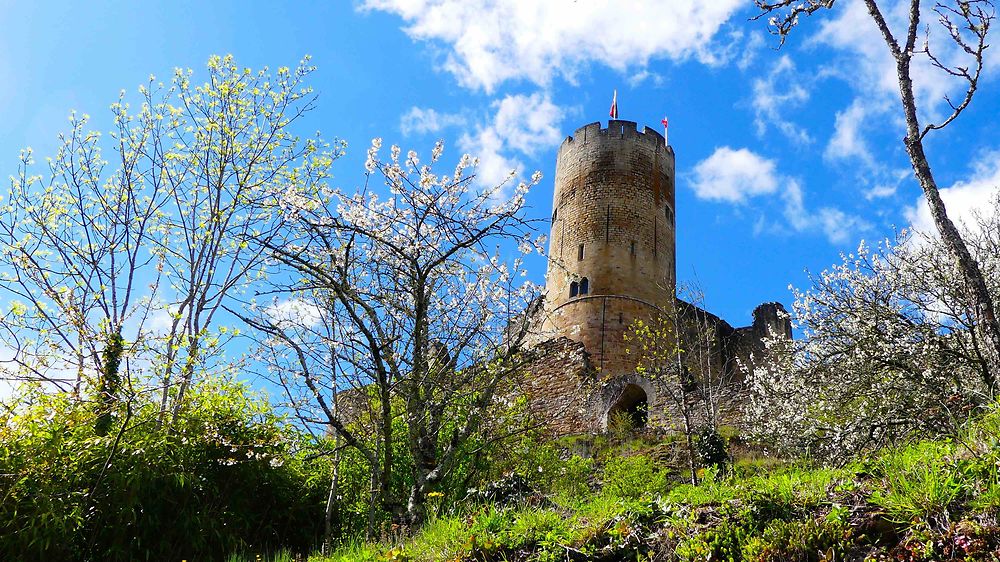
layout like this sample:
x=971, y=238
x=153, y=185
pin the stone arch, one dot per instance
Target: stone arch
x=633, y=395
x=634, y=403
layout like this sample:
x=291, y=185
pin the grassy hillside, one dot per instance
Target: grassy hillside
x=932, y=500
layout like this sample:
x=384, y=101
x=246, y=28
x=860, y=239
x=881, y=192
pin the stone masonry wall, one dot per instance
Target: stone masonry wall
x=613, y=225
x=613, y=232
x=560, y=386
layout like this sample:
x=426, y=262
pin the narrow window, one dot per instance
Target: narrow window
x=621, y=318
x=555, y=212
x=574, y=289
x=632, y=249
x=584, y=286
x=669, y=214
x=579, y=253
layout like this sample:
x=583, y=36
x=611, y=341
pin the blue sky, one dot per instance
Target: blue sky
x=785, y=158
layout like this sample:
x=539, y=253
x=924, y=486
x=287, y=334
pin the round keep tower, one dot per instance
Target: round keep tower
x=612, y=252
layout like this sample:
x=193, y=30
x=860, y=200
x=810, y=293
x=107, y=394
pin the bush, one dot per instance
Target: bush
x=227, y=477
x=631, y=477
x=506, y=491
x=711, y=448
x=548, y=469
x=807, y=541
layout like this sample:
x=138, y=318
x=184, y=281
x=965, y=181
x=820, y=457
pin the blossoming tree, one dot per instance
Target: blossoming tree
x=116, y=267
x=956, y=48
x=412, y=288
x=889, y=350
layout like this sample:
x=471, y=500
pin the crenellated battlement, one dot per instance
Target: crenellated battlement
x=616, y=129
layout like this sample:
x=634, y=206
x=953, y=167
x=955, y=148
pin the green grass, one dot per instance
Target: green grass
x=927, y=501
x=283, y=556
x=918, y=482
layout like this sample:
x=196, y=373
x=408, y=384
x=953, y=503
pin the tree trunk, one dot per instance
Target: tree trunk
x=331, y=500
x=187, y=377
x=416, y=506
x=373, y=503
x=688, y=431
x=984, y=311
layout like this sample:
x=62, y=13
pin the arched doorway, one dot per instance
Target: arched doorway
x=633, y=403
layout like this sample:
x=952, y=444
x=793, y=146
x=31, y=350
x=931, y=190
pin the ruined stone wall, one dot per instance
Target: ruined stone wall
x=560, y=385
x=707, y=342
x=613, y=226
x=568, y=394
x=715, y=354
x=770, y=319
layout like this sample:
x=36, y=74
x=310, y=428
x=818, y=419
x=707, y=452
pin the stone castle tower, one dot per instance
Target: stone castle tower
x=612, y=255
x=612, y=260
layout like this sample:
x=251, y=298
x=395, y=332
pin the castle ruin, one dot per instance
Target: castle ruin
x=612, y=261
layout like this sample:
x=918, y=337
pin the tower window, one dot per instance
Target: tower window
x=555, y=213
x=579, y=253
x=584, y=286
x=669, y=214
x=631, y=250
x=574, y=289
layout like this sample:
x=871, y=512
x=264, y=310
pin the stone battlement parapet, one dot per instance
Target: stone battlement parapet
x=616, y=129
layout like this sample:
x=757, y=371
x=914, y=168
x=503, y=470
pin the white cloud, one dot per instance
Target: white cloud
x=523, y=124
x=850, y=30
x=736, y=176
x=421, y=121
x=294, y=312
x=964, y=200
x=864, y=62
x=870, y=68
x=528, y=123
x=881, y=190
x=847, y=140
x=774, y=95
x=494, y=167
x=849, y=144
x=494, y=41
x=638, y=78
x=748, y=52
x=836, y=225
x=890, y=184
x=159, y=320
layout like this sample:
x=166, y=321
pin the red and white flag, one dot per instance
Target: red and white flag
x=664, y=121
x=614, y=106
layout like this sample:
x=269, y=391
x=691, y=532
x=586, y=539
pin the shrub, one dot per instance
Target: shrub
x=631, y=477
x=620, y=425
x=719, y=543
x=506, y=491
x=227, y=477
x=550, y=470
x=711, y=448
x=806, y=541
